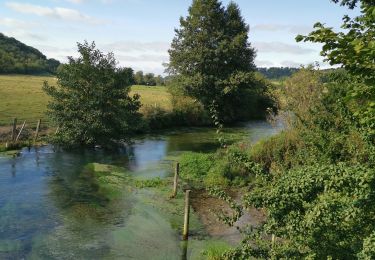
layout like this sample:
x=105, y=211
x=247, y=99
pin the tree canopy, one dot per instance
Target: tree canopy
x=91, y=103
x=211, y=56
x=17, y=57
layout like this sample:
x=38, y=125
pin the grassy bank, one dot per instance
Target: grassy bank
x=22, y=96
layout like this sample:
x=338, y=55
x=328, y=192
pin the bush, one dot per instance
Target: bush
x=224, y=168
x=185, y=112
x=320, y=183
x=280, y=152
x=189, y=112
x=320, y=211
x=91, y=102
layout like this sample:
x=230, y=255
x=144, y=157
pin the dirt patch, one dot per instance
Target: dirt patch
x=206, y=206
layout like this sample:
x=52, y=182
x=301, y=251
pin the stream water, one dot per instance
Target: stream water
x=44, y=213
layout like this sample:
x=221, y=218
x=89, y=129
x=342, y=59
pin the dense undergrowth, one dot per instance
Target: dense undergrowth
x=315, y=179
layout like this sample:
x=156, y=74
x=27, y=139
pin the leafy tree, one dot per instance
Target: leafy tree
x=211, y=57
x=91, y=103
x=139, y=78
x=159, y=80
x=150, y=79
x=354, y=49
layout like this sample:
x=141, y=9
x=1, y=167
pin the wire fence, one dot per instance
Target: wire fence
x=24, y=128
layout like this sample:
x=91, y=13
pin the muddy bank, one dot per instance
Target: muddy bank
x=206, y=206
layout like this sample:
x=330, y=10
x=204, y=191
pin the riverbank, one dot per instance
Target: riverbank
x=207, y=207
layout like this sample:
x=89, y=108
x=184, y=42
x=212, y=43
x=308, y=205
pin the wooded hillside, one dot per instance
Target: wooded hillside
x=17, y=57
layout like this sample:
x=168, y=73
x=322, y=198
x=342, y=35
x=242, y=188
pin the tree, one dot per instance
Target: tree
x=138, y=78
x=211, y=58
x=353, y=49
x=150, y=79
x=159, y=80
x=91, y=103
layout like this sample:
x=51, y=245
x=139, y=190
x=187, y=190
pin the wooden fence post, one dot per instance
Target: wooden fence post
x=37, y=130
x=185, y=235
x=19, y=133
x=14, y=128
x=175, y=181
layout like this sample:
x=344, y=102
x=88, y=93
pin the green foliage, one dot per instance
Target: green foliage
x=184, y=112
x=211, y=58
x=16, y=57
x=319, y=211
x=139, y=78
x=320, y=119
x=226, y=167
x=148, y=79
x=279, y=153
x=354, y=49
x=317, y=179
x=195, y=166
x=91, y=104
x=214, y=250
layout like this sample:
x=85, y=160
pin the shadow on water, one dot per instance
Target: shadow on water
x=52, y=207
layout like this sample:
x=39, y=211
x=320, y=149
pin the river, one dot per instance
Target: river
x=43, y=205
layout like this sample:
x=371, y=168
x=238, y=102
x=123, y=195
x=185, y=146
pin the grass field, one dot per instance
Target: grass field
x=22, y=97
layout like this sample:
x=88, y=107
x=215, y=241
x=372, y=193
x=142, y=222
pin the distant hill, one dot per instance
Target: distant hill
x=17, y=57
x=277, y=72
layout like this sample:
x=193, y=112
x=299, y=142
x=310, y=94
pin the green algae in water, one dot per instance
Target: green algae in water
x=58, y=207
x=148, y=227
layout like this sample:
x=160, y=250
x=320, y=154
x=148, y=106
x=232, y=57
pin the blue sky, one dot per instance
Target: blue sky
x=139, y=32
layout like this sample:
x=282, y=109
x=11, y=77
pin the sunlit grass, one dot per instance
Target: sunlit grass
x=22, y=96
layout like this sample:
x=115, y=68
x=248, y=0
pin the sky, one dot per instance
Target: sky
x=139, y=32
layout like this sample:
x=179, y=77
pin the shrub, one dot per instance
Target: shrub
x=320, y=211
x=280, y=152
x=224, y=168
x=91, y=102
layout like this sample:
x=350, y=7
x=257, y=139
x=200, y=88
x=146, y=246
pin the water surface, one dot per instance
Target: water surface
x=46, y=210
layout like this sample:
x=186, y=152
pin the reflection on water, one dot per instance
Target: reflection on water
x=47, y=210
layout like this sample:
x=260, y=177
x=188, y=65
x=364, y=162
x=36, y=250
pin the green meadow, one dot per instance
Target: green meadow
x=21, y=96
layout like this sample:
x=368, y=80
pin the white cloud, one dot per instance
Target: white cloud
x=264, y=63
x=129, y=46
x=289, y=63
x=22, y=35
x=18, y=24
x=280, y=47
x=144, y=58
x=65, y=14
x=139, y=55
